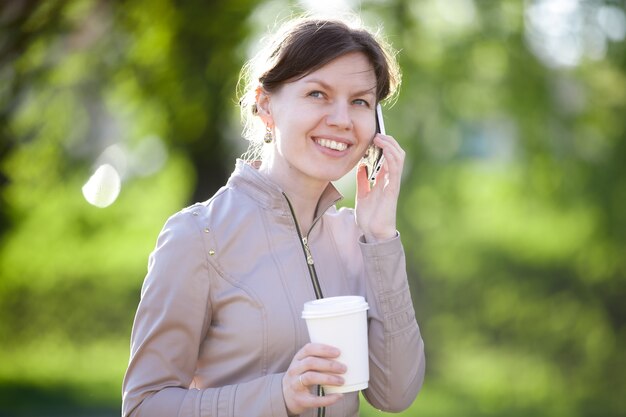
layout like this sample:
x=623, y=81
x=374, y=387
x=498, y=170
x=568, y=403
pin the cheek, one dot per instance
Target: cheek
x=366, y=131
x=298, y=122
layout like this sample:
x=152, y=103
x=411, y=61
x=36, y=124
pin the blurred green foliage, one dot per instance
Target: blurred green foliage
x=512, y=116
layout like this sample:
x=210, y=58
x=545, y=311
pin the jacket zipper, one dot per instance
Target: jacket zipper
x=311, y=264
x=321, y=412
x=307, y=254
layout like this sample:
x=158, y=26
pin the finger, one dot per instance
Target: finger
x=317, y=349
x=328, y=400
x=391, y=148
x=362, y=183
x=299, y=400
x=301, y=384
x=313, y=401
x=394, y=159
x=386, y=141
x=382, y=176
x=315, y=364
x=309, y=379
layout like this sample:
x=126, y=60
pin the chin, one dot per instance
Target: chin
x=332, y=172
x=331, y=176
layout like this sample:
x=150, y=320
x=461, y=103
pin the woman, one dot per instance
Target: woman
x=218, y=330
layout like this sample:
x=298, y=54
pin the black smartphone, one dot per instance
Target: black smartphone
x=374, y=157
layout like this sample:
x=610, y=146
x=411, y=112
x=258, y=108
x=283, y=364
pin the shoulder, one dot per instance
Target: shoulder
x=225, y=205
x=208, y=226
x=186, y=230
x=181, y=226
x=180, y=239
x=192, y=219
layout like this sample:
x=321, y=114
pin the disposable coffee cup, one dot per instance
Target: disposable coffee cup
x=342, y=322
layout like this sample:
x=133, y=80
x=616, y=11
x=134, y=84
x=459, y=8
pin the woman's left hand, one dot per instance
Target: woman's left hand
x=376, y=205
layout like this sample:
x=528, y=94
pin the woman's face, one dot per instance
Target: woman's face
x=323, y=122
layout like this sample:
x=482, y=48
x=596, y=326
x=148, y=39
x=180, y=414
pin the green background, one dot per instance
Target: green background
x=513, y=116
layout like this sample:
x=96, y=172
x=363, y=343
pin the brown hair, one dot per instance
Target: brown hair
x=305, y=45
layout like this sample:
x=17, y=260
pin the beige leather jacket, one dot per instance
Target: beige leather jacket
x=219, y=319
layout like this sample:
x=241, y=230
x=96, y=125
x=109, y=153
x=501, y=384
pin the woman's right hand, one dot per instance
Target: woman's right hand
x=312, y=365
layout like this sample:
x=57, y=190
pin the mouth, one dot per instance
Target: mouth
x=332, y=144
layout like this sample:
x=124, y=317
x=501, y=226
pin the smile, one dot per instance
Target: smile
x=331, y=144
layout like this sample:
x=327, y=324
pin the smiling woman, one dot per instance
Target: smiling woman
x=218, y=331
x=299, y=48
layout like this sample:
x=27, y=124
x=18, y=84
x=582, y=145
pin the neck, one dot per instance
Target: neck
x=303, y=193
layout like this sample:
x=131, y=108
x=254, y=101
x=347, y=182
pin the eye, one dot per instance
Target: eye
x=361, y=102
x=316, y=94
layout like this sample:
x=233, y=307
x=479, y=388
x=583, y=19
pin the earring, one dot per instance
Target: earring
x=268, y=135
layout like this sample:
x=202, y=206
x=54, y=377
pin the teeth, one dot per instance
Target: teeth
x=327, y=143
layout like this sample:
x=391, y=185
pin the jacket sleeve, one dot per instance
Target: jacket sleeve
x=397, y=361
x=171, y=322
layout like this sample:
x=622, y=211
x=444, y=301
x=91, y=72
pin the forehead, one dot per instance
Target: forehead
x=349, y=70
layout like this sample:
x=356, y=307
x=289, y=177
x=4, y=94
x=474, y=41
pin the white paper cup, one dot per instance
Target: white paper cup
x=342, y=322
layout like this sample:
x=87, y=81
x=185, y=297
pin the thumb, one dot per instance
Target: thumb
x=362, y=183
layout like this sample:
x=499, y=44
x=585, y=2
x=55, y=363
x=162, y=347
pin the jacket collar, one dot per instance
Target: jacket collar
x=268, y=194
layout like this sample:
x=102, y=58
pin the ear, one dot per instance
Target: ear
x=263, y=100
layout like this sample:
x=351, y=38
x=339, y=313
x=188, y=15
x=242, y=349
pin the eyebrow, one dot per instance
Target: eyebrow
x=371, y=90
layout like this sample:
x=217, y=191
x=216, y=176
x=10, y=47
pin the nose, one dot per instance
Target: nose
x=339, y=116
